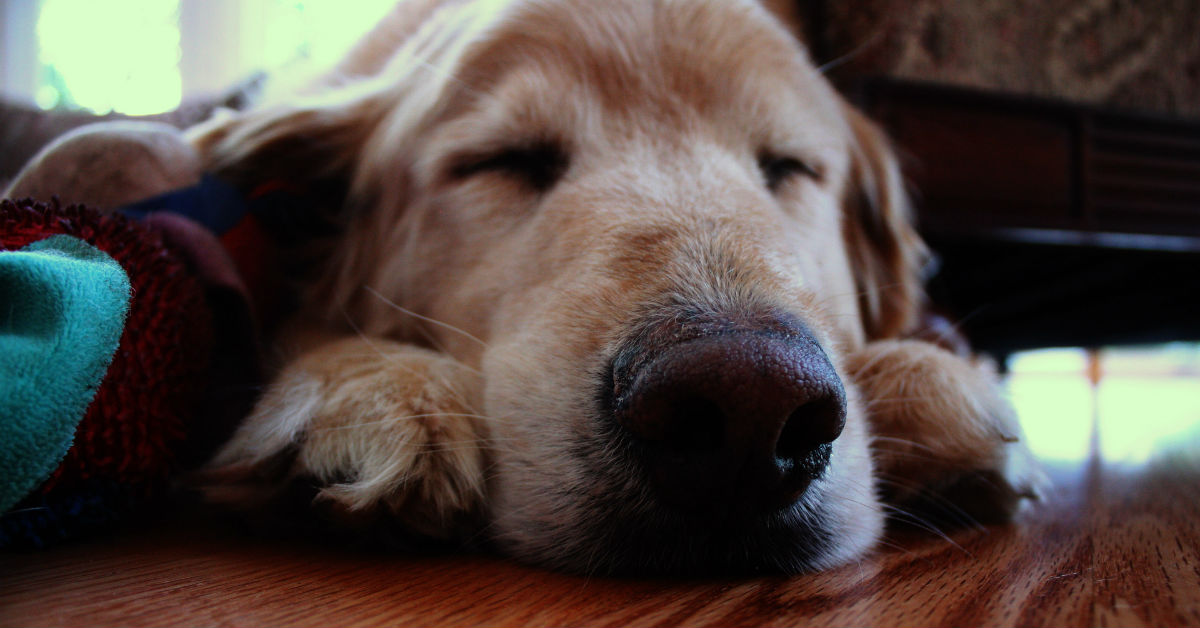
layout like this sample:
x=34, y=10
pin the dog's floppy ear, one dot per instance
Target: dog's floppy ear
x=313, y=143
x=885, y=251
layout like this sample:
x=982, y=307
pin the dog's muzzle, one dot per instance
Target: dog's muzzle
x=729, y=418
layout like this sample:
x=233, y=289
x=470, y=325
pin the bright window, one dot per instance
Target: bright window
x=1138, y=401
x=116, y=55
x=145, y=56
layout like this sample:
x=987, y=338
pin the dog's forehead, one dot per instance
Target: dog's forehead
x=631, y=55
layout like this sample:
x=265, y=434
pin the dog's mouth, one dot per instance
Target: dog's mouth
x=718, y=431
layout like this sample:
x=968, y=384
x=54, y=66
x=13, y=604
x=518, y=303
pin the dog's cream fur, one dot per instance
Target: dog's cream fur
x=443, y=372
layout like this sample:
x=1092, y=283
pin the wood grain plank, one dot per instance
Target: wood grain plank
x=1113, y=546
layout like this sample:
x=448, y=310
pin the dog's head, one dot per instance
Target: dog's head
x=655, y=229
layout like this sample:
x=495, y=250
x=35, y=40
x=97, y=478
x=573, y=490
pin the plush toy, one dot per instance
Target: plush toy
x=82, y=446
x=201, y=259
x=67, y=303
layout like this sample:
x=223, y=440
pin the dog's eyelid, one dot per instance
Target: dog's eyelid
x=539, y=164
x=777, y=168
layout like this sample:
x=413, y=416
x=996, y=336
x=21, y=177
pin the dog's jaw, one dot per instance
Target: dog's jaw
x=598, y=514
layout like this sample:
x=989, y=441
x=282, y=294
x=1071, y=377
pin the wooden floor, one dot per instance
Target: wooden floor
x=1114, y=546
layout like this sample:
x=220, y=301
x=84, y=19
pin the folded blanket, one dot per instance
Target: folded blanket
x=62, y=310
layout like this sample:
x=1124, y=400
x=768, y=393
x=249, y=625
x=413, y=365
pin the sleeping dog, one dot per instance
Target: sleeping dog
x=617, y=286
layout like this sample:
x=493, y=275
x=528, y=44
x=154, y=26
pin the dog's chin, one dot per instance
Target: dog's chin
x=609, y=521
x=801, y=538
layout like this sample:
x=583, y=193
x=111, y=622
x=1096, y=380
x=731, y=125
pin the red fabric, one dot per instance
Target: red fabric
x=141, y=412
x=256, y=257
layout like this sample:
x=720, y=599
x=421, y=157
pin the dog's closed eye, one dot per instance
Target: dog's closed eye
x=778, y=169
x=538, y=166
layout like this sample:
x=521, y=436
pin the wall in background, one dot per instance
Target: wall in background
x=146, y=56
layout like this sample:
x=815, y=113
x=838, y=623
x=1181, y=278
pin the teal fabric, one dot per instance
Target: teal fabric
x=63, y=304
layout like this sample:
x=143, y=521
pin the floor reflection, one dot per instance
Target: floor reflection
x=1136, y=402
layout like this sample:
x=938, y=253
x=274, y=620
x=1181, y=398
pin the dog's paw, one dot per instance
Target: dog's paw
x=947, y=444
x=383, y=433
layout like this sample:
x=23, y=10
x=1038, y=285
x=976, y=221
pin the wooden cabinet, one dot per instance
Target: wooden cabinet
x=985, y=162
x=1056, y=224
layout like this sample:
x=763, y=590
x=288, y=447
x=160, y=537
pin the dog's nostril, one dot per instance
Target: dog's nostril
x=803, y=444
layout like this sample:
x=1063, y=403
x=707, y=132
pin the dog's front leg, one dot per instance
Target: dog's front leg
x=947, y=445
x=367, y=432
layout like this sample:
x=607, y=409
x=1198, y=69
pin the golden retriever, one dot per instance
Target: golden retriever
x=619, y=286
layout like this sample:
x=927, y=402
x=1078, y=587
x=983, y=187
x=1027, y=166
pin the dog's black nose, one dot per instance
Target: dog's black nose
x=740, y=421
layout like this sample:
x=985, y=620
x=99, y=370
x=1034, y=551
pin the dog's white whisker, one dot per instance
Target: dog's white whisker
x=930, y=498
x=432, y=340
x=398, y=419
x=874, y=404
x=888, y=543
x=404, y=310
x=891, y=446
x=872, y=40
x=444, y=380
x=924, y=524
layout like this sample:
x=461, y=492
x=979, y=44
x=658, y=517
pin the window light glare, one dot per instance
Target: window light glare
x=1146, y=401
x=47, y=97
x=1054, y=401
x=117, y=55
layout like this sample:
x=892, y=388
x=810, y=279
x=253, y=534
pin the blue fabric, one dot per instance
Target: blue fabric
x=211, y=202
x=63, y=304
x=285, y=211
x=90, y=507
